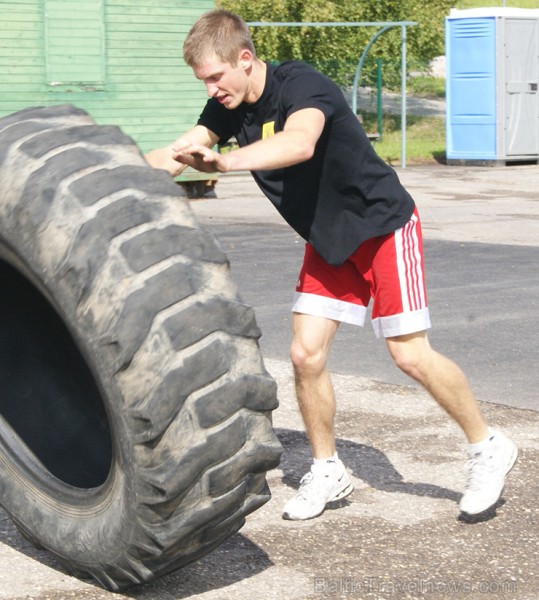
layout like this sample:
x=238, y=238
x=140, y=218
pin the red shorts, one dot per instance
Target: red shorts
x=389, y=269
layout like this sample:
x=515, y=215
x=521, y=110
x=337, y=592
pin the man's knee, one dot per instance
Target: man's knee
x=306, y=359
x=311, y=343
x=411, y=353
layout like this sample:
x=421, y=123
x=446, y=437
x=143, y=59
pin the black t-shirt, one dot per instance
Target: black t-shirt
x=345, y=194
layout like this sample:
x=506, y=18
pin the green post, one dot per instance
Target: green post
x=379, y=96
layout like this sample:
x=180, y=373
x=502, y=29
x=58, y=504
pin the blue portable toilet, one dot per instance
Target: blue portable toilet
x=492, y=113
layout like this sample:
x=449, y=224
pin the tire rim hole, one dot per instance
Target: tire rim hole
x=48, y=395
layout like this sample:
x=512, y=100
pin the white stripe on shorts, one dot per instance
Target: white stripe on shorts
x=402, y=324
x=409, y=267
x=330, y=308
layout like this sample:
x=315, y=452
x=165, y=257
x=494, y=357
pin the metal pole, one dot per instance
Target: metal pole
x=403, y=105
x=357, y=75
x=379, y=96
x=328, y=23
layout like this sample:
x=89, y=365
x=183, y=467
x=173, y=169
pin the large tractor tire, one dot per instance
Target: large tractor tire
x=135, y=427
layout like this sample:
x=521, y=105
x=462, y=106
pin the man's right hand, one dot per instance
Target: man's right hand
x=163, y=158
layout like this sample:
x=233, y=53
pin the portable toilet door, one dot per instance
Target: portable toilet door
x=520, y=132
x=492, y=85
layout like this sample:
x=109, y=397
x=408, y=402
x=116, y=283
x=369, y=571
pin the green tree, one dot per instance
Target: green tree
x=336, y=50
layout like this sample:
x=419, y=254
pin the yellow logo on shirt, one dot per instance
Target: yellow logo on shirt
x=268, y=129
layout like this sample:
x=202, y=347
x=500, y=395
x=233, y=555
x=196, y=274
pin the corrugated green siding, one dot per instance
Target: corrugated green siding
x=133, y=76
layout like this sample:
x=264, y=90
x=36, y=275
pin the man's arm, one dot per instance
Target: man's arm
x=293, y=145
x=163, y=158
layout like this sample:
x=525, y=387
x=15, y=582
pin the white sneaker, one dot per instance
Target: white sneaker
x=486, y=474
x=318, y=487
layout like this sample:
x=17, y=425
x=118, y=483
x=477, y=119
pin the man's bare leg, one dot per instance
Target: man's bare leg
x=442, y=378
x=314, y=390
x=327, y=480
x=492, y=452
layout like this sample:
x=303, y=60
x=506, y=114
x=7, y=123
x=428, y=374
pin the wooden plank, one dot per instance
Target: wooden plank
x=17, y=78
x=27, y=49
x=6, y=62
x=20, y=5
x=20, y=18
x=29, y=33
x=161, y=88
x=200, y=5
x=157, y=28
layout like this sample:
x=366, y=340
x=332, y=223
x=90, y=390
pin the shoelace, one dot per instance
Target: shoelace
x=479, y=471
x=307, y=482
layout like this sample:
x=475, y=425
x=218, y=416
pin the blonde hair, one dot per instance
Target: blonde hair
x=218, y=32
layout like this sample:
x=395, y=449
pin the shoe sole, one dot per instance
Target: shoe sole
x=512, y=462
x=346, y=491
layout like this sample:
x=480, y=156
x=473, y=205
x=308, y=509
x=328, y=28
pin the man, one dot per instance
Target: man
x=309, y=155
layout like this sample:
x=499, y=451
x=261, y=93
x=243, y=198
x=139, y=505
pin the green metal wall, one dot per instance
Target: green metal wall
x=118, y=59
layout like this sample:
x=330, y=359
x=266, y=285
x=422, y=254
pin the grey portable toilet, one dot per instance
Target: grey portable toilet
x=492, y=85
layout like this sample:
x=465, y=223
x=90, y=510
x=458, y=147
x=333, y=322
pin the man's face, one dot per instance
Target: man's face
x=229, y=84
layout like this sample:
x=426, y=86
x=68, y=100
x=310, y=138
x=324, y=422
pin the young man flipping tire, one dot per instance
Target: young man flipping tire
x=310, y=156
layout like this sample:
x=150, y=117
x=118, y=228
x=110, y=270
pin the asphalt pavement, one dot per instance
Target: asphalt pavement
x=481, y=230
x=392, y=103
x=398, y=534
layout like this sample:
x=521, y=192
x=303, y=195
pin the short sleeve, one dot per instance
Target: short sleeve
x=309, y=89
x=216, y=119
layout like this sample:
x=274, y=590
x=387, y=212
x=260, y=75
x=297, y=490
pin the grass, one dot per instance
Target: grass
x=431, y=87
x=425, y=138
